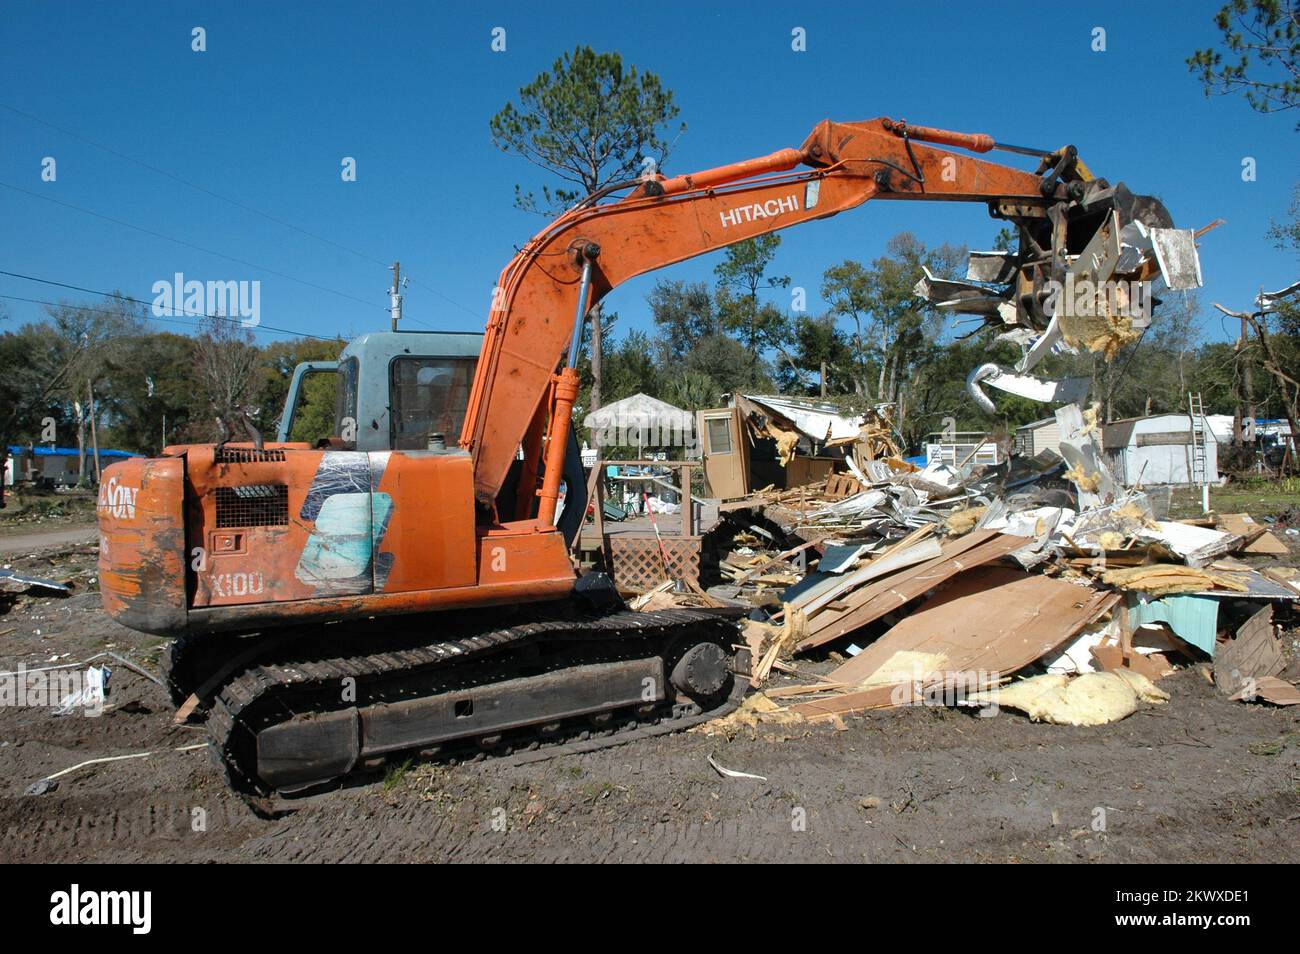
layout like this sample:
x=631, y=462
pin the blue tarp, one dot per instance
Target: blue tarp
x=38, y=451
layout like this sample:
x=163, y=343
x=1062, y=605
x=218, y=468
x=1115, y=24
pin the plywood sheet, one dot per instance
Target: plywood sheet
x=1253, y=653
x=1270, y=689
x=874, y=600
x=991, y=619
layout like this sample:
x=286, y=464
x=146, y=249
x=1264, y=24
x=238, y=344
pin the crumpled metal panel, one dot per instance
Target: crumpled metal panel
x=1176, y=254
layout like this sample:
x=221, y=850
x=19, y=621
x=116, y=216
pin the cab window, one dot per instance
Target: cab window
x=345, y=403
x=429, y=396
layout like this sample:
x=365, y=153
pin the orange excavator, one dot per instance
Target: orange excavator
x=391, y=592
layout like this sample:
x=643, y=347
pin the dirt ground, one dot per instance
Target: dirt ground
x=1199, y=779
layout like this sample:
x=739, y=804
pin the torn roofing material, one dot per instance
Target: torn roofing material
x=14, y=582
x=823, y=423
x=1195, y=619
x=998, y=267
x=960, y=296
x=1176, y=254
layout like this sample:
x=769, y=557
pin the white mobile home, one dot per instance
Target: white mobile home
x=1038, y=436
x=1158, y=450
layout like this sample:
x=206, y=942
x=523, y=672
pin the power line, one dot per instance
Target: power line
x=98, y=311
x=193, y=185
x=464, y=308
x=150, y=316
x=240, y=205
x=200, y=248
x=207, y=251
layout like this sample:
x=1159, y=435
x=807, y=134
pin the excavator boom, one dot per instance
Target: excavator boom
x=536, y=312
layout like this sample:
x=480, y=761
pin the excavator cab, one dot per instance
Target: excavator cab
x=408, y=391
x=393, y=390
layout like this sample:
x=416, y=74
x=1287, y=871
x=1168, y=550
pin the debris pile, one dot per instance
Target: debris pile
x=1041, y=586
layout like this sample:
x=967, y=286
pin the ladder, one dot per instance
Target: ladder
x=1196, y=412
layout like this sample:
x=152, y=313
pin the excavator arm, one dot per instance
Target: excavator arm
x=545, y=292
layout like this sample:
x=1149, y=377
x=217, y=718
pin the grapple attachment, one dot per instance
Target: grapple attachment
x=1091, y=260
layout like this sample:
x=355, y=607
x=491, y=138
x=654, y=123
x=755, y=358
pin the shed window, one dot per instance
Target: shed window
x=719, y=434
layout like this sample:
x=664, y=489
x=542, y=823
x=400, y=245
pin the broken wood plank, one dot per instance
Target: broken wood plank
x=882, y=565
x=1258, y=538
x=883, y=596
x=1270, y=689
x=1252, y=654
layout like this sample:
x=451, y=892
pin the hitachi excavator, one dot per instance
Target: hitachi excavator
x=396, y=592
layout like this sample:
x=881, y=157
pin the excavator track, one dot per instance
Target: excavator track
x=283, y=728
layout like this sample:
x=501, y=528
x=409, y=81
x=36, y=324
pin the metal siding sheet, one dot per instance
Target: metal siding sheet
x=1193, y=618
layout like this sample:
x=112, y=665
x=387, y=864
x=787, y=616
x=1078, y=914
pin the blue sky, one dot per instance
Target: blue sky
x=285, y=91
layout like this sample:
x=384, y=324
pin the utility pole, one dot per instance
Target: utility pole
x=395, y=295
x=94, y=434
x=1248, y=377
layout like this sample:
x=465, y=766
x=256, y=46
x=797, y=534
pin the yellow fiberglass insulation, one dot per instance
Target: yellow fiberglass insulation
x=1094, y=698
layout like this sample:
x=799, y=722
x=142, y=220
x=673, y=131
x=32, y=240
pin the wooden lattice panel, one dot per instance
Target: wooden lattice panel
x=638, y=565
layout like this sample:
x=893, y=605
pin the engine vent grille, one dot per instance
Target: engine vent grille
x=258, y=505
x=248, y=455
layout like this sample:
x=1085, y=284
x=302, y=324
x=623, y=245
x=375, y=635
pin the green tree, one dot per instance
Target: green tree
x=822, y=354
x=935, y=397
x=590, y=121
x=692, y=390
x=1262, y=39
x=683, y=313
x=630, y=368
x=149, y=385
x=725, y=360
x=33, y=368
x=227, y=363
x=1007, y=240
x=593, y=123
x=1284, y=235
x=849, y=289
x=31, y=359
x=92, y=338
x=760, y=326
x=314, y=417
x=893, y=328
